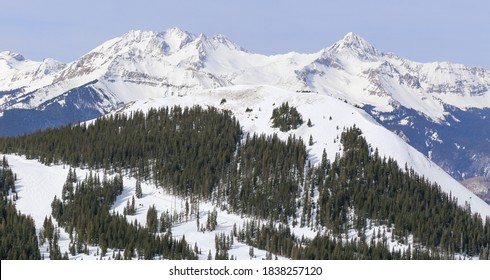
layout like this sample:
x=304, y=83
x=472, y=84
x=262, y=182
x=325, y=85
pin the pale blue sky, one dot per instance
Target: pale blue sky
x=420, y=30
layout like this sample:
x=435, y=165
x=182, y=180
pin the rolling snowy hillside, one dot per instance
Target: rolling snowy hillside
x=441, y=109
x=252, y=106
x=328, y=116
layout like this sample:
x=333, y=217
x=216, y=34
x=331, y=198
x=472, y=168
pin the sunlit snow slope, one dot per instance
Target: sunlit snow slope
x=38, y=184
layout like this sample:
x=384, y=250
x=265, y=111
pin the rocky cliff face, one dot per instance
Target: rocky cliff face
x=479, y=186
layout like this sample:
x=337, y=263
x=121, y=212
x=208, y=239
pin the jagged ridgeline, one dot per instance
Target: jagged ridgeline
x=202, y=153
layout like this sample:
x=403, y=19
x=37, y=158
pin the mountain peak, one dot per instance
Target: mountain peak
x=11, y=55
x=355, y=44
x=137, y=35
x=224, y=41
x=176, y=38
x=177, y=32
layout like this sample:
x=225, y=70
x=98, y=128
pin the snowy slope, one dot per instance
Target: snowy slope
x=319, y=108
x=410, y=98
x=38, y=184
x=17, y=72
x=175, y=61
x=429, y=104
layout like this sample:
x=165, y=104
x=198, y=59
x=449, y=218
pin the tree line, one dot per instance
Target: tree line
x=86, y=217
x=202, y=154
x=18, y=239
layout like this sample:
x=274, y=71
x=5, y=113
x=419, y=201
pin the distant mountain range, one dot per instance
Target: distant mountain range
x=441, y=109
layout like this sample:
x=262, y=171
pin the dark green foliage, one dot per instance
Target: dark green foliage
x=139, y=191
x=286, y=118
x=222, y=244
x=166, y=221
x=266, y=176
x=485, y=253
x=54, y=248
x=378, y=190
x=277, y=239
x=18, y=240
x=328, y=248
x=48, y=230
x=152, y=219
x=212, y=220
x=199, y=154
x=67, y=191
x=309, y=124
x=188, y=149
x=88, y=216
x=251, y=252
x=130, y=209
x=7, y=179
x=375, y=189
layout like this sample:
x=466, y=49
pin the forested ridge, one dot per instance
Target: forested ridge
x=202, y=154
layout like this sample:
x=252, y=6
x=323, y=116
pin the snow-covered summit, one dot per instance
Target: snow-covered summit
x=147, y=64
x=7, y=55
x=17, y=72
x=176, y=61
x=354, y=44
x=175, y=39
x=351, y=69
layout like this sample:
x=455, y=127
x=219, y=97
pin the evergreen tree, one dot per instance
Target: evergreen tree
x=200, y=154
x=151, y=219
x=212, y=220
x=251, y=252
x=139, y=191
x=18, y=240
x=309, y=124
x=286, y=118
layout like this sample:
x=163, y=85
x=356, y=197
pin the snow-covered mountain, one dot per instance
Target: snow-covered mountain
x=18, y=72
x=441, y=109
x=39, y=184
x=253, y=106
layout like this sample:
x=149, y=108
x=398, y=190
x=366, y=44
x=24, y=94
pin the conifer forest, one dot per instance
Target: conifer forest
x=202, y=155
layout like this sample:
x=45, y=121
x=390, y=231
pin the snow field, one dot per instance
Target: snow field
x=38, y=184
